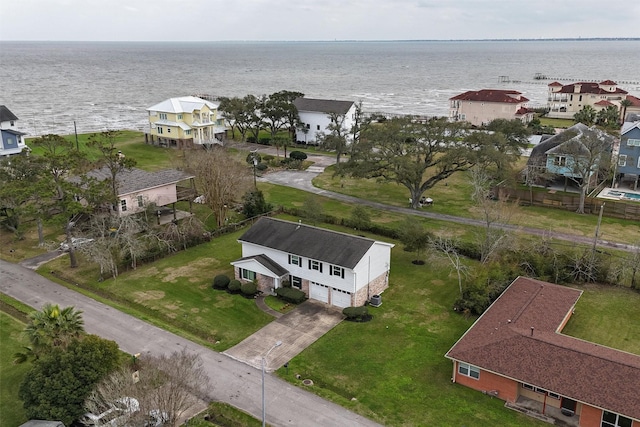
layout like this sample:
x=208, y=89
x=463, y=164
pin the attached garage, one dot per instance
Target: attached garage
x=340, y=298
x=319, y=292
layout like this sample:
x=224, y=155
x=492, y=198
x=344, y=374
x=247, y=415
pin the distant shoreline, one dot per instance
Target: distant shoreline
x=562, y=39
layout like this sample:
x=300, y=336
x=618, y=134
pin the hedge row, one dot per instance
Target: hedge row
x=292, y=295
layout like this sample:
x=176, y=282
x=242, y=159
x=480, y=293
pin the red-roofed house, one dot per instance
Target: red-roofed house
x=515, y=351
x=634, y=107
x=565, y=101
x=482, y=106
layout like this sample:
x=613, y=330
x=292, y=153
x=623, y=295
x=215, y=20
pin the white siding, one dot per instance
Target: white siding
x=375, y=262
x=317, y=119
x=318, y=292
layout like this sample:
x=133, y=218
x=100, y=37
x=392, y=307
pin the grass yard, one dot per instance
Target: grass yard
x=393, y=369
x=607, y=316
x=556, y=123
x=178, y=289
x=11, y=412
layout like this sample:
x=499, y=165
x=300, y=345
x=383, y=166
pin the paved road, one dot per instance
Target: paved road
x=231, y=381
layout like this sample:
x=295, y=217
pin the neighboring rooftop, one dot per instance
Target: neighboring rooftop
x=133, y=180
x=6, y=115
x=310, y=242
x=184, y=104
x=519, y=337
x=323, y=105
x=591, y=87
x=491, y=95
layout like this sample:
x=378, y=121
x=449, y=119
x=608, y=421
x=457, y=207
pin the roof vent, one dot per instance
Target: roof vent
x=532, y=331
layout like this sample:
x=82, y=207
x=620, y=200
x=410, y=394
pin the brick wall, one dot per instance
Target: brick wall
x=507, y=389
x=376, y=286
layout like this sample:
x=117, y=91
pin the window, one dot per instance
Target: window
x=140, y=201
x=611, y=419
x=528, y=386
x=168, y=130
x=163, y=116
x=334, y=270
x=633, y=142
x=315, y=265
x=554, y=395
x=463, y=116
x=295, y=260
x=187, y=132
x=247, y=274
x=622, y=160
x=560, y=161
x=159, y=130
x=296, y=282
x=179, y=116
x=318, y=127
x=308, y=126
x=123, y=205
x=468, y=370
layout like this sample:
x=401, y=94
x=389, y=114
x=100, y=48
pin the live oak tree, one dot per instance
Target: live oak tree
x=240, y=113
x=279, y=112
x=110, y=157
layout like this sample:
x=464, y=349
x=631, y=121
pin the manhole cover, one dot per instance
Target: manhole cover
x=307, y=382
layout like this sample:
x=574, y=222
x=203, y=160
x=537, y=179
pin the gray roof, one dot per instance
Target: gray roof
x=268, y=263
x=6, y=115
x=133, y=180
x=309, y=242
x=323, y=105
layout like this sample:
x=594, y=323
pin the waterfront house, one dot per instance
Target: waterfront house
x=138, y=189
x=563, y=101
x=482, y=106
x=628, y=161
x=565, y=154
x=335, y=268
x=315, y=115
x=185, y=122
x=11, y=139
x=516, y=352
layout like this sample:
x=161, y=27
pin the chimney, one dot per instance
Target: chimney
x=577, y=87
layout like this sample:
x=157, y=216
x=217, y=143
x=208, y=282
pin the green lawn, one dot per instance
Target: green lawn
x=178, y=288
x=556, y=123
x=11, y=412
x=609, y=316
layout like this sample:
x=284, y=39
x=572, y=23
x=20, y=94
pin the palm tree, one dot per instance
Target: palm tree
x=586, y=116
x=624, y=104
x=51, y=327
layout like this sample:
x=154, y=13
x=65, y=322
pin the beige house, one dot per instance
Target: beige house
x=564, y=101
x=482, y=106
x=185, y=122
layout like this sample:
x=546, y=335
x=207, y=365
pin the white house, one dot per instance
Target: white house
x=336, y=268
x=317, y=114
x=11, y=139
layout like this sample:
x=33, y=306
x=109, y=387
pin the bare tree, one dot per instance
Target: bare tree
x=443, y=247
x=221, y=179
x=164, y=387
x=495, y=210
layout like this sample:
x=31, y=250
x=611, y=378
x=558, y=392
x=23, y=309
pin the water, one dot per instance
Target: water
x=109, y=85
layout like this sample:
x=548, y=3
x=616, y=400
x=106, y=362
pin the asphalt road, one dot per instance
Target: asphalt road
x=230, y=381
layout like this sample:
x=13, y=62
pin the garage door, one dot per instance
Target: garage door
x=318, y=292
x=340, y=298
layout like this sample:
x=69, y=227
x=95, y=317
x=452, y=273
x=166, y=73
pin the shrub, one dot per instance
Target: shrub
x=249, y=289
x=254, y=204
x=264, y=141
x=357, y=314
x=234, y=287
x=261, y=167
x=298, y=155
x=286, y=284
x=292, y=295
x=268, y=157
x=221, y=281
x=251, y=139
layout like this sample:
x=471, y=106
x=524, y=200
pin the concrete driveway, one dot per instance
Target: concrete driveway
x=297, y=330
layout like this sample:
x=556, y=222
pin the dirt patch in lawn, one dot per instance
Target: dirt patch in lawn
x=148, y=296
x=194, y=270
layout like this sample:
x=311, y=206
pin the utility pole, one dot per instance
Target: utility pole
x=595, y=238
x=75, y=130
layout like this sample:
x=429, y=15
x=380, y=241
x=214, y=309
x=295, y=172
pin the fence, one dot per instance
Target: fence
x=570, y=202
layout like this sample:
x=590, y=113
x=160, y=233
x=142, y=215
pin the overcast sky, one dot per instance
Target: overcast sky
x=213, y=20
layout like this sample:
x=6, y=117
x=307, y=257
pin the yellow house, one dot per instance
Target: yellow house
x=185, y=122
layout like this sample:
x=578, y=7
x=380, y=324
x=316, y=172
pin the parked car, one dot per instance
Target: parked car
x=116, y=415
x=76, y=242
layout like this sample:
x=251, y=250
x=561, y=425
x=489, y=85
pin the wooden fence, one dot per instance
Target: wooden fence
x=570, y=202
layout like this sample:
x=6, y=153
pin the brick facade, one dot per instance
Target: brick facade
x=505, y=388
x=375, y=287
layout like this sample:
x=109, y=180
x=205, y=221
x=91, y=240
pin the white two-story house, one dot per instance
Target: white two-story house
x=328, y=266
x=11, y=139
x=317, y=114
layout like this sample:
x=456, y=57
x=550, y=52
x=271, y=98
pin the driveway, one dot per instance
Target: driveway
x=297, y=330
x=231, y=381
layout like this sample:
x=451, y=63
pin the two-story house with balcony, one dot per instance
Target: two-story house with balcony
x=335, y=268
x=482, y=106
x=563, y=101
x=628, y=162
x=185, y=122
x=315, y=115
x=11, y=139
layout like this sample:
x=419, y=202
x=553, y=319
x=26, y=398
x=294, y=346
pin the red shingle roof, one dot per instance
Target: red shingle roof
x=635, y=102
x=518, y=337
x=555, y=84
x=604, y=103
x=608, y=83
x=491, y=95
x=522, y=111
x=589, y=87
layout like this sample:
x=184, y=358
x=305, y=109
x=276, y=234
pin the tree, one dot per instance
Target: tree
x=417, y=154
x=414, y=237
x=111, y=158
x=536, y=127
x=312, y=210
x=254, y=204
x=446, y=247
x=279, y=112
x=608, y=118
x=337, y=138
x=220, y=178
x=360, y=218
x=168, y=384
x=240, y=113
x=60, y=380
x=624, y=104
x=49, y=328
x=587, y=115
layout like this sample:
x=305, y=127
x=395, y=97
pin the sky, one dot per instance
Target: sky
x=302, y=20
